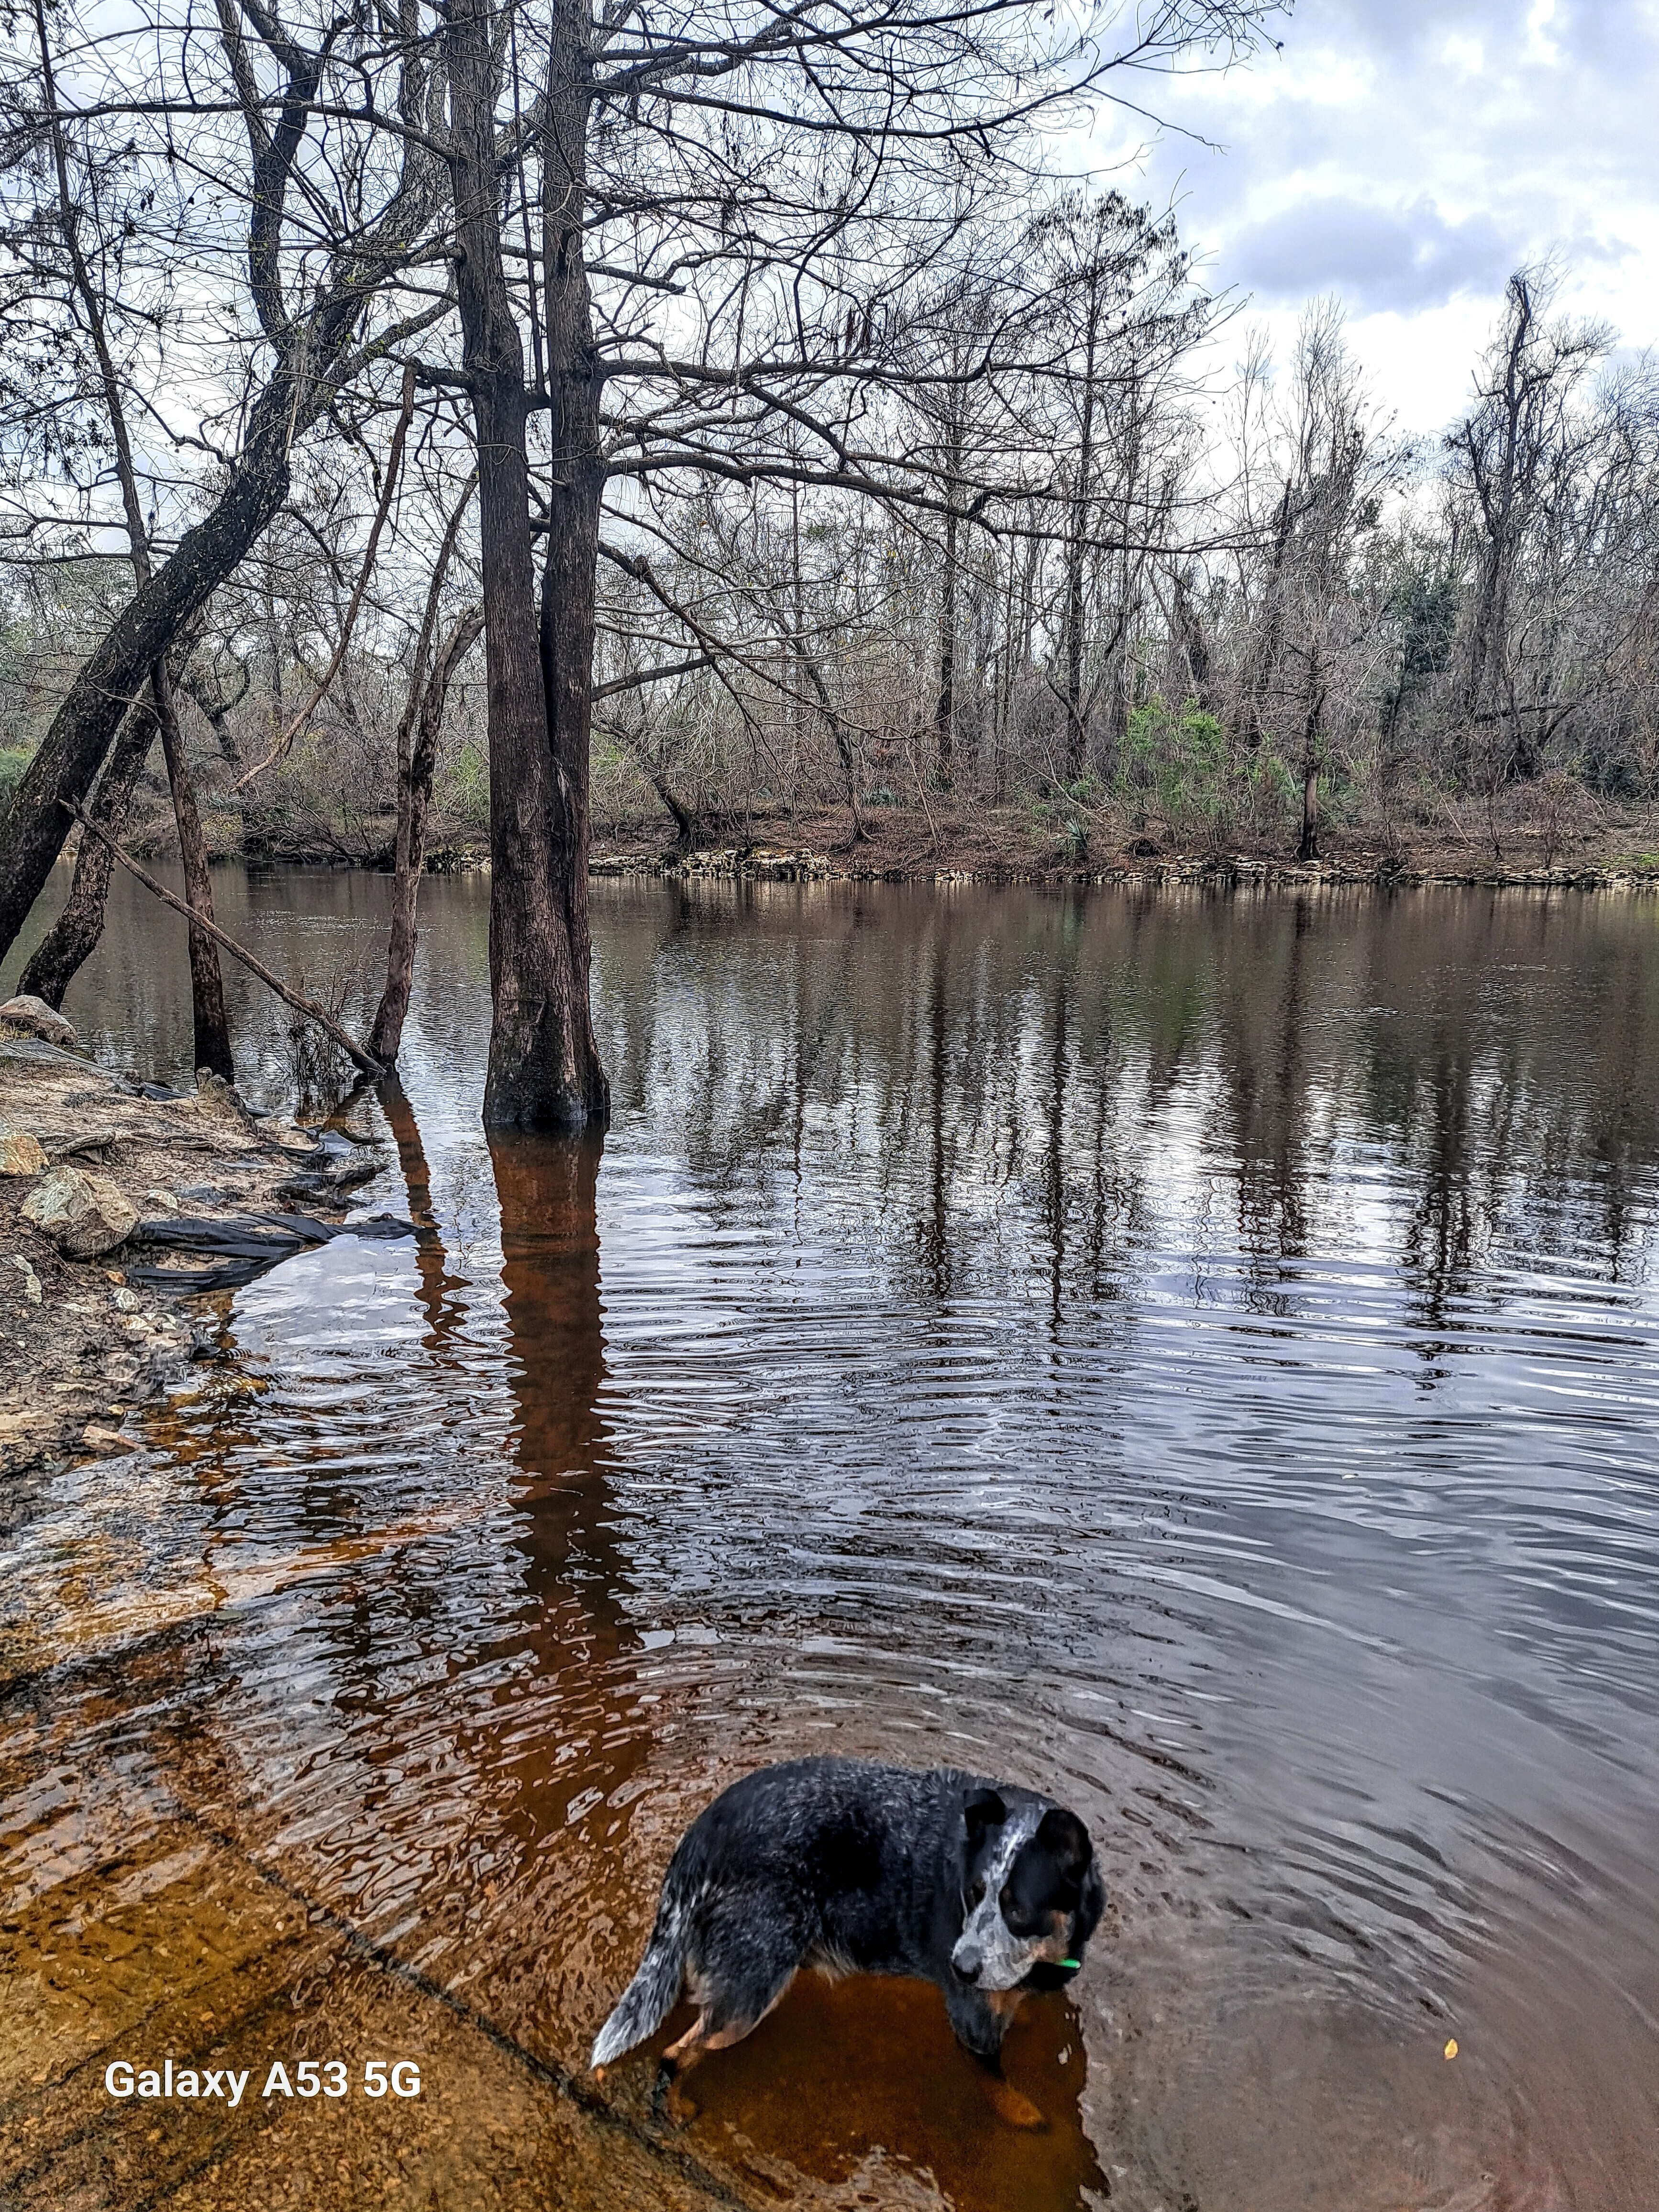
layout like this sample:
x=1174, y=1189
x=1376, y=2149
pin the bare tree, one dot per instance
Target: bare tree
x=1509, y=454
x=328, y=222
x=749, y=198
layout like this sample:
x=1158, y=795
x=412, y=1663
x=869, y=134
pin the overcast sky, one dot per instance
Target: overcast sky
x=1406, y=154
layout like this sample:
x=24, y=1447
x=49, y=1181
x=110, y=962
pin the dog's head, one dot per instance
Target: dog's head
x=1032, y=1894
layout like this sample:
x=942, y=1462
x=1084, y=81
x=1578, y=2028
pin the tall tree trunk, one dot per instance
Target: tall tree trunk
x=845, y=752
x=543, y=1070
x=1077, y=740
x=1189, y=635
x=1268, y=648
x=207, y=982
x=1312, y=733
x=570, y=571
x=414, y=799
x=72, y=938
x=945, y=708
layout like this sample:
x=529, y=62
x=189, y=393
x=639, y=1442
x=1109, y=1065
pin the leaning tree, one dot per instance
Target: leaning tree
x=216, y=246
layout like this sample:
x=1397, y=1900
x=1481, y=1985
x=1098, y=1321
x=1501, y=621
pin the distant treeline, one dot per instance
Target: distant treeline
x=1122, y=596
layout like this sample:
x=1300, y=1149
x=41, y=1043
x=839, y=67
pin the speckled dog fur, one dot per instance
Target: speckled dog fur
x=987, y=1889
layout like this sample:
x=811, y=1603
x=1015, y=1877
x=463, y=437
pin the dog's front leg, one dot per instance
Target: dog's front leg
x=981, y=2018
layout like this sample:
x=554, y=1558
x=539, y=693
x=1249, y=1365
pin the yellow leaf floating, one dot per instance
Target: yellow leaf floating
x=1451, y=2047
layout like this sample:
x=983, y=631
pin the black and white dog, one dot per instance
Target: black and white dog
x=849, y=1867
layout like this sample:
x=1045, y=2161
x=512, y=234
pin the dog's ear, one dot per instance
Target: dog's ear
x=1065, y=1837
x=1090, y=1906
x=983, y=1810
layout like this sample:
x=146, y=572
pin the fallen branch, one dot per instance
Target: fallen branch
x=297, y=999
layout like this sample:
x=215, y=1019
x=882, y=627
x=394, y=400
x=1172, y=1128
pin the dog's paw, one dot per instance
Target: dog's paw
x=1018, y=2112
x=669, y=2098
x=680, y=2107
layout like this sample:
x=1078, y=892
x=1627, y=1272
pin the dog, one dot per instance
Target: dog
x=987, y=1889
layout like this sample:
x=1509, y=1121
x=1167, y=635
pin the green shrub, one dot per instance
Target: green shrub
x=1173, y=761
x=1176, y=763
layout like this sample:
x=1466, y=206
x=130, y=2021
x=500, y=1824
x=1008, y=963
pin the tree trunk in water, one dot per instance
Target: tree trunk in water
x=543, y=1070
x=414, y=799
x=570, y=573
x=73, y=938
x=207, y=982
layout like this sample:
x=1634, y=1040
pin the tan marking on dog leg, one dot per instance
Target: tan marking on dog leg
x=1017, y=2111
x=685, y=2052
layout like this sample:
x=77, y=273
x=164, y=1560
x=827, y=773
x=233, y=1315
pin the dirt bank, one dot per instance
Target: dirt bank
x=962, y=845
x=85, y=1344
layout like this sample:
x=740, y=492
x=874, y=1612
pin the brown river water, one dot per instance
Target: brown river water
x=1196, y=1356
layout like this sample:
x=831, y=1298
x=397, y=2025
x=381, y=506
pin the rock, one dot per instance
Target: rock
x=167, y=1201
x=217, y=1101
x=127, y=1302
x=20, y=1153
x=31, y=1280
x=96, y=1438
x=39, y=1019
x=85, y=1215
x=288, y=1136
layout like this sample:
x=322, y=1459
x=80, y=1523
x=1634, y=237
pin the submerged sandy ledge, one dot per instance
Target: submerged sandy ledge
x=86, y=1343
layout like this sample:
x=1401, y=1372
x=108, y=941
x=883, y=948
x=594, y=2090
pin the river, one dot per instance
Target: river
x=1196, y=1355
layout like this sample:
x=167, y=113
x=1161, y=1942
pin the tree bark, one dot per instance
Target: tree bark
x=1312, y=731
x=570, y=569
x=1189, y=632
x=944, y=705
x=1077, y=737
x=73, y=938
x=414, y=799
x=945, y=708
x=1267, y=649
x=207, y=982
x=544, y=1068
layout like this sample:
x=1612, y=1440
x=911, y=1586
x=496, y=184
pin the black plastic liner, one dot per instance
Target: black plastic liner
x=243, y=1246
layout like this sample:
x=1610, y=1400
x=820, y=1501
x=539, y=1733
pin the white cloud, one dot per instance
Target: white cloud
x=1407, y=154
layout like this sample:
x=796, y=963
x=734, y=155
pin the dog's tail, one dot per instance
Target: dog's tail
x=653, y=1993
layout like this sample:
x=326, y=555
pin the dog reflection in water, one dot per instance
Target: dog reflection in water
x=847, y=1867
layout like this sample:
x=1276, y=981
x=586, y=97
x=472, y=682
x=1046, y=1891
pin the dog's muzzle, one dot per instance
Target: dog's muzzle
x=968, y=1959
